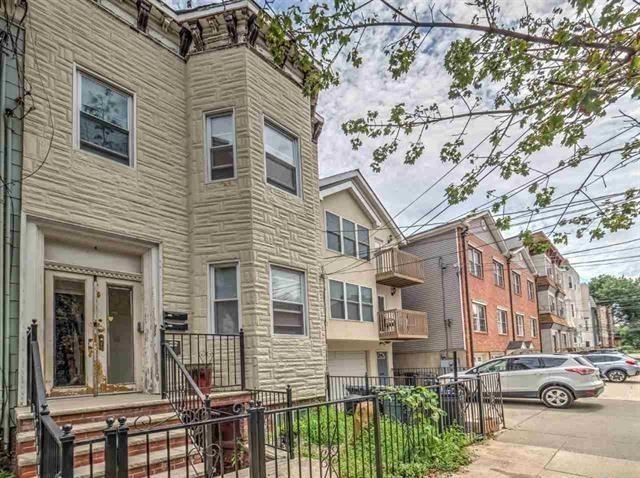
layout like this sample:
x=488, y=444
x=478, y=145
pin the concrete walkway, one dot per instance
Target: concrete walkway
x=597, y=438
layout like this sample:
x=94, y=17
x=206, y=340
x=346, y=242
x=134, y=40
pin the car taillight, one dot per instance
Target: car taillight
x=581, y=370
x=630, y=362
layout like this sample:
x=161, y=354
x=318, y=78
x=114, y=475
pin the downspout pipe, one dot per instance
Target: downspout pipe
x=443, y=268
x=467, y=298
x=513, y=319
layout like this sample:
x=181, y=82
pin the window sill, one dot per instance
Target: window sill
x=219, y=181
x=284, y=194
x=481, y=332
x=106, y=159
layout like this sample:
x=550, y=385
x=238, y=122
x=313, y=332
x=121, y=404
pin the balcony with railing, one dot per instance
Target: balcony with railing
x=402, y=324
x=398, y=268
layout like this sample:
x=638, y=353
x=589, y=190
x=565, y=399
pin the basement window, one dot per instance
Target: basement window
x=104, y=118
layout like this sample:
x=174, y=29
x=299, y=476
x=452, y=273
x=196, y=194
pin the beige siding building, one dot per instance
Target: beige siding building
x=363, y=274
x=174, y=170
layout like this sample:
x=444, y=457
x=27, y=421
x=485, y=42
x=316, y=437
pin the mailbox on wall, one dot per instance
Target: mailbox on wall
x=176, y=321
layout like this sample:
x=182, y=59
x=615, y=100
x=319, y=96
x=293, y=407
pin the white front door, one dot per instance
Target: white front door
x=90, y=338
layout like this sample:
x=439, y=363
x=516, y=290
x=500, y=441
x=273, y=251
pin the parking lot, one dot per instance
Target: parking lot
x=596, y=438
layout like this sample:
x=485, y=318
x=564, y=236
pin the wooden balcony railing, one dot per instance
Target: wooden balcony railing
x=401, y=324
x=397, y=268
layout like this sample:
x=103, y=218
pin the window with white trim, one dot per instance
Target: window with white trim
x=516, y=282
x=351, y=301
x=519, y=325
x=223, y=297
x=105, y=119
x=288, y=301
x=347, y=237
x=498, y=273
x=531, y=290
x=479, y=317
x=534, y=327
x=282, y=159
x=475, y=262
x=503, y=324
x=220, y=146
x=334, y=238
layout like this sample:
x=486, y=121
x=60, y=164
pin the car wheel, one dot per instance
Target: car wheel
x=557, y=397
x=617, y=375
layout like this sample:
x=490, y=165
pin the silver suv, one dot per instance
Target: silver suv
x=555, y=379
x=615, y=366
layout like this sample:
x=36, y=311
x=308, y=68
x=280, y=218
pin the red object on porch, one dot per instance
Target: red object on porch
x=202, y=376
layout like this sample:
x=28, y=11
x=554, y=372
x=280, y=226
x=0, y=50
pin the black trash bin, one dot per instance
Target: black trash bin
x=452, y=403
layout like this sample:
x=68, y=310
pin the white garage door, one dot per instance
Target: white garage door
x=350, y=364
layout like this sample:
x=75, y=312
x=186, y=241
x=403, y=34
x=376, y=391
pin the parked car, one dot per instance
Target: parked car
x=616, y=367
x=600, y=351
x=557, y=380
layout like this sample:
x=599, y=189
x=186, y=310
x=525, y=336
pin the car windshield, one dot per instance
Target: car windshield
x=493, y=366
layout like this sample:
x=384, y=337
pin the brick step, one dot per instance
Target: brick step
x=25, y=441
x=95, y=413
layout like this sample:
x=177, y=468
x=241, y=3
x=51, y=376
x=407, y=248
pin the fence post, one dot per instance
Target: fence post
x=163, y=365
x=208, y=440
x=289, y=420
x=376, y=435
x=110, y=448
x=257, y=464
x=66, y=464
x=455, y=365
x=366, y=383
x=328, y=378
x=123, y=448
x=480, y=405
x=242, y=363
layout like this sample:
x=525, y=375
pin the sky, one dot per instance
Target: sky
x=371, y=87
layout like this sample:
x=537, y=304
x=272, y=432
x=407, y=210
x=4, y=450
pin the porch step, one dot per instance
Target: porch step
x=25, y=441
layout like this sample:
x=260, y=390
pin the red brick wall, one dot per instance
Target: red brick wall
x=484, y=290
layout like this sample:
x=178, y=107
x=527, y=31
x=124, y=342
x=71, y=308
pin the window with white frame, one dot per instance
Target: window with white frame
x=351, y=301
x=516, y=282
x=282, y=158
x=498, y=273
x=552, y=303
x=503, y=326
x=561, y=307
x=479, y=317
x=334, y=238
x=220, y=146
x=549, y=267
x=534, y=327
x=519, y=325
x=104, y=119
x=573, y=310
x=288, y=301
x=223, y=297
x=531, y=290
x=347, y=237
x=475, y=262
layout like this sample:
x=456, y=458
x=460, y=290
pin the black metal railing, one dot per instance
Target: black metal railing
x=429, y=372
x=275, y=400
x=215, y=362
x=343, y=386
x=54, y=444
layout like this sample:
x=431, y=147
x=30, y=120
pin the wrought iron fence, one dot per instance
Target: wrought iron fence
x=216, y=362
x=343, y=386
x=54, y=444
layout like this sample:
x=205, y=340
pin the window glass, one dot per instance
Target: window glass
x=493, y=366
x=104, y=119
x=333, y=232
x=523, y=363
x=502, y=321
x=534, y=327
x=225, y=299
x=367, y=304
x=498, y=274
x=479, y=317
x=517, y=284
x=288, y=293
x=363, y=243
x=220, y=137
x=337, y=299
x=550, y=362
x=282, y=159
x=582, y=361
x=531, y=291
x=349, y=238
x=475, y=262
x=353, y=302
x=595, y=358
x=519, y=324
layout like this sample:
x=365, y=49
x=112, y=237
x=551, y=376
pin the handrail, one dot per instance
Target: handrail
x=54, y=444
x=189, y=379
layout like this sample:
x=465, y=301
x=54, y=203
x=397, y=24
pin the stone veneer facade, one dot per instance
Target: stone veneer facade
x=164, y=199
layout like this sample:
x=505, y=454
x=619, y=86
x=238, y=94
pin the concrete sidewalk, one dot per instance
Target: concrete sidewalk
x=596, y=438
